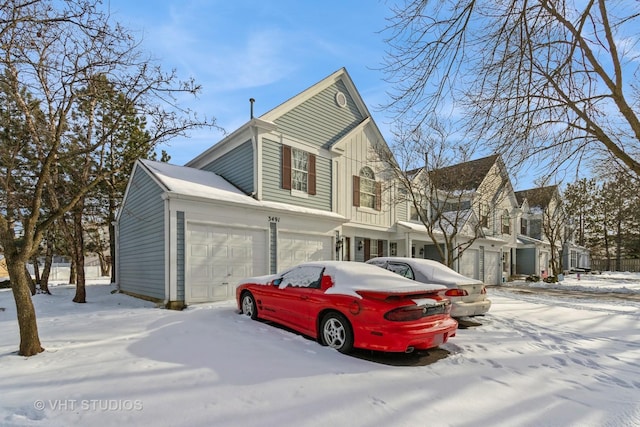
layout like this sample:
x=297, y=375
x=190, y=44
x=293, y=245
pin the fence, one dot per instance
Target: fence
x=631, y=265
x=62, y=271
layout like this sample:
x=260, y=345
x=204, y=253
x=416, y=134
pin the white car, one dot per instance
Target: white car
x=468, y=296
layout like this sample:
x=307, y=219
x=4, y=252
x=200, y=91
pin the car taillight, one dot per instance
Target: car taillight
x=404, y=314
x=456, y=293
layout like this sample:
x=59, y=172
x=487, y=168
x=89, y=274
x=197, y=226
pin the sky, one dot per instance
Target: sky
x=269, y=51
x=532, y=360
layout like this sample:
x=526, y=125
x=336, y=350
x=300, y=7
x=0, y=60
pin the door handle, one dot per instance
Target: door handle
x=304, y=297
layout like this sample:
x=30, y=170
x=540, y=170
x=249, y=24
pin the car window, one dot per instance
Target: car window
x=302, y=277
x=401, y=269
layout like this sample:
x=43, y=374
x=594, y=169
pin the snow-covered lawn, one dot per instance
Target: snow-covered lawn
x=535, y=360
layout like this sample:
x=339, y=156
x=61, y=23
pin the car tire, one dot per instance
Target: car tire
x=248, y=305
x=336, y=332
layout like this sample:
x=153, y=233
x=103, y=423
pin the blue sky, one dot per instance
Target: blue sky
x=269, y=51
x=266, y=50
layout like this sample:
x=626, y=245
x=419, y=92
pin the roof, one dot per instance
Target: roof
x=187, y=181
x=537, y=197
x=463, y=176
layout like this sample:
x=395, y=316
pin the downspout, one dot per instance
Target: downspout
x=257, y=153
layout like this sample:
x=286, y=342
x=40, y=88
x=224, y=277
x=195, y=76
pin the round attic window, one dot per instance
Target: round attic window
x=341, y=99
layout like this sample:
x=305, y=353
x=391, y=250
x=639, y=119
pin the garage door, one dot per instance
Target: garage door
x=218, y=257
x=295, y=248
x=492, y=268
x=469, y=263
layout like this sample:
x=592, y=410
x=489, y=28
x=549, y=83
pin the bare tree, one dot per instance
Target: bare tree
x=550, y=78
x=440, y=183
x=51, y=53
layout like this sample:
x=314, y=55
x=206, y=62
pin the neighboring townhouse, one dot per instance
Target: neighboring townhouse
x=544, y=235
x=305, y=181
x=534, y=251
x=478, y=195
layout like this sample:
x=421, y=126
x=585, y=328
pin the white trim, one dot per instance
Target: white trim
x=173, y=258
x=231, y=141
x=168, y=242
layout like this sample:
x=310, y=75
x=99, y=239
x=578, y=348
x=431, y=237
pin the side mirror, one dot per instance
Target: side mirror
x=326, y=283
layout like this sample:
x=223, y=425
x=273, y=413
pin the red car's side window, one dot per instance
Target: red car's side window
x=302, y=277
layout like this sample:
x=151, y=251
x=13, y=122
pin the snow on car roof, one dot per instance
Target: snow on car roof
x=350, y=276
x=433, y=270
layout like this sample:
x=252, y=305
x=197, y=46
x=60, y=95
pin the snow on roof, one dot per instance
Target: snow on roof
x=196, y=182
x=189, y=181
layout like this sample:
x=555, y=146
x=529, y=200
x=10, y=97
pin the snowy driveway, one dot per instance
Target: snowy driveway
x=536, y=360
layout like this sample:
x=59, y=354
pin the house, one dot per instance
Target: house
x=295, y=184
x=307, y=180
x=476, y=198
x=545, y=237
x=535, y=247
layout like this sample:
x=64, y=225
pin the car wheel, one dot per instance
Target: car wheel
x=336, y=332
x=249, y=307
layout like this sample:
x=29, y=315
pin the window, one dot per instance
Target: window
x=506, y=222
x=298, y=170
x=402, y=269
x=367, y=192
x=301, y=277
x=367, y=188
x=523, y=226
x=484, y=214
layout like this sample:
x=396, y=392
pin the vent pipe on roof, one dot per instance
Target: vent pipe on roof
x=251, y=100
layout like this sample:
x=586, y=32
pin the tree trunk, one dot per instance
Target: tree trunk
x=112, y=237
x=72, y=271
x=29, y=339
x=105, y=266
x=78, y=253
x=30, y=283
x=36, y=269
x=46, y=271
x=619, y=245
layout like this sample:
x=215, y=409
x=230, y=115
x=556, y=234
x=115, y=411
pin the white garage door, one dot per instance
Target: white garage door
x=492, y=268
x=218, y=257
x=469, y=263
x=296, y=248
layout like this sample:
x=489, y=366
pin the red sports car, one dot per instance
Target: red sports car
x=346, y=304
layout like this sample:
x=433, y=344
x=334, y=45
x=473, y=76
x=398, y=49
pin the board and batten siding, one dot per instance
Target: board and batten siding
x=141, y=254
x=272, y=180
x=319, y=120
x=359, y=152
x=236, y=167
